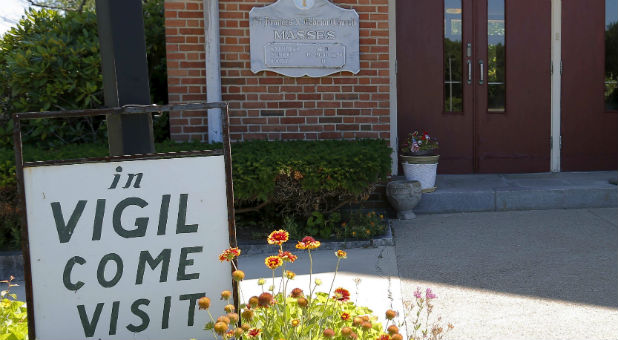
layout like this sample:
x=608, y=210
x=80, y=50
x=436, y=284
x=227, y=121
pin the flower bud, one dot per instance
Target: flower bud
x=245, y=327
x=247, y=314
x=261, y=282
x=296, y=293
x=223, y=318
x=392, y=329
x=233, y=317
x=220, y=328
x=203, y=303
x=253, y=301
x=390, y=314
x=238, y=275
x=328, y=333
x=396, y=337
x=265, y=299
x=302, y=302
x=357, y=321
x=346, y=331
x=238, y=332
x=225, y=295
x=229, y=308
x=366, y=325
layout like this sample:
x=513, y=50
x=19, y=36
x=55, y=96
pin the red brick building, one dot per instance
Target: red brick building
x=525, y=79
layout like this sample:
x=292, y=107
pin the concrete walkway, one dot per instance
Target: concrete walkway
x=545, y=274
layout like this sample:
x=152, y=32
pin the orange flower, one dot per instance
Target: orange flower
x=341, y=294
x=341, y=254
x=253, y=332
x=308, y=242
x=229, y=254
x=384, y=337
x=278, y=237
x=273, y=262
x=295, y=322
x=287, y=256
x=345, y=316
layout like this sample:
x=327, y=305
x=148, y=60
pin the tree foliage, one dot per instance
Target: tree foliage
x=51, y=61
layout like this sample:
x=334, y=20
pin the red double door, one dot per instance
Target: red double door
x=477, y=74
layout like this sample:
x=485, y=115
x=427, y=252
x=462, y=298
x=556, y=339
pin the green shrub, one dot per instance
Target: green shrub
x=302, y=177
x=303, y=181
x=50, y=61
x=13, y=315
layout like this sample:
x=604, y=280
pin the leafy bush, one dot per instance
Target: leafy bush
x=303, y=181
x=301, y=177
x=51, y=61
x=48, y=62
x=13, y=316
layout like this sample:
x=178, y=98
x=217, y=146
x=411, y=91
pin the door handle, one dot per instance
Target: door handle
x=482, y=79
x=469, y=72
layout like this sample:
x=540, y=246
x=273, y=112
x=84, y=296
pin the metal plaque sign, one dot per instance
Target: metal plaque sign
x=304, y=38
x=124, y=249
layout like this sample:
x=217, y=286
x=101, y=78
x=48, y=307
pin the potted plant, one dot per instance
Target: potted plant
x=419, y=159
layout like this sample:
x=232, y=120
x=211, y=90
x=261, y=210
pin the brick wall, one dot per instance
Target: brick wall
x=267, y=105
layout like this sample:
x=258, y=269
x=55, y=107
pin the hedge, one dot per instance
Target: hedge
x=294, y=178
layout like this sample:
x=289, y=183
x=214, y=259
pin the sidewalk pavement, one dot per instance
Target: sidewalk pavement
x=544, y=274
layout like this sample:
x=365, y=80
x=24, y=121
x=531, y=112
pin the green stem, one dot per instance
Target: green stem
x=331, y=289
x=310, y=274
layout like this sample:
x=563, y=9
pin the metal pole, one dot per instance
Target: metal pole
x=125, y=74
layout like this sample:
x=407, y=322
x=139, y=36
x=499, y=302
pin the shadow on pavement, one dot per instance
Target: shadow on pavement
x=569, y=255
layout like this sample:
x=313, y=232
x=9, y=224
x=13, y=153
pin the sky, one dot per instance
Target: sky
x=10, y=12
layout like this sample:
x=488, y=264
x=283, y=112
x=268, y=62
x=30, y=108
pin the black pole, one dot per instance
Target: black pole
x=125, y=74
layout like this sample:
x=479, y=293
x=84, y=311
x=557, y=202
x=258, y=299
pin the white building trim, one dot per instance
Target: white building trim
x=392, y=51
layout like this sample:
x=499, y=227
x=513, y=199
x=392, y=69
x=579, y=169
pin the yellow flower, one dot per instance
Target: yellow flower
x=290, y=274
x=341, y=254
x=273, y=262
x=295, y=322
x=278, y=237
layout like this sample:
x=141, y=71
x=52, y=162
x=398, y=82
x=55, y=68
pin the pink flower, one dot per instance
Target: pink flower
x=429, y=295
x=417, y=293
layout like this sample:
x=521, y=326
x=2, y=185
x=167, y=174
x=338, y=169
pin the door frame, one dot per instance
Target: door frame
x=555, y=96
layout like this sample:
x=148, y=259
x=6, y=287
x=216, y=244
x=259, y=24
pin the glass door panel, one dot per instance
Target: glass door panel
x=453, y=67
x=496, y=56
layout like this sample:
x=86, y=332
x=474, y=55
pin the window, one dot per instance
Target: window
x=453, y=75
x=496, y=56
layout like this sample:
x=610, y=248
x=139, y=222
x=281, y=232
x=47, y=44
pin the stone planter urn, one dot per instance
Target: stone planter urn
x=403, y=197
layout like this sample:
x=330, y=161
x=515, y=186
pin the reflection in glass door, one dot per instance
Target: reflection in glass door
x=496, y=56
x=453, y=75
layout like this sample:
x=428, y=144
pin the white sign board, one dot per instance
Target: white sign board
x=304, y=38
x=123, y=250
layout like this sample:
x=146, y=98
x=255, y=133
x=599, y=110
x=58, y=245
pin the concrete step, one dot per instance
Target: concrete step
x=502, y=192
